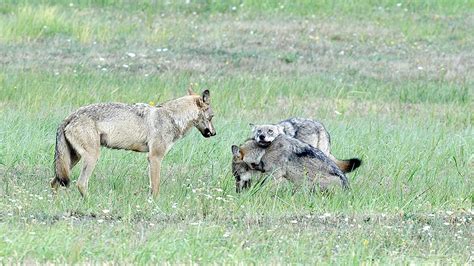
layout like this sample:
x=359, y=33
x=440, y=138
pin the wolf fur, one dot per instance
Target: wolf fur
x=136, y=127
x=244, y=159
x=285, y=157
x=306, y=130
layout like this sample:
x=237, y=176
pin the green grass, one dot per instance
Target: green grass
x=393, y=85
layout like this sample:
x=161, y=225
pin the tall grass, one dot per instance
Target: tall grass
x=377, y=88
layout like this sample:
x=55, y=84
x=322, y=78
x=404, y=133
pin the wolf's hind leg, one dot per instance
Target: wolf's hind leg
x=89, y=163
x=86, y=142
x=327, y=182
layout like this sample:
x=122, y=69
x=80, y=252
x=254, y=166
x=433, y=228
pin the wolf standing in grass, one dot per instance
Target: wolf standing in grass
x=138, y=127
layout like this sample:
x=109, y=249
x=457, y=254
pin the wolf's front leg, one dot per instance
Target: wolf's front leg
x=155, y=157
x=260, y=166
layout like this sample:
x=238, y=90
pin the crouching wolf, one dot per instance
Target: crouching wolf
x=286, y=157
x=137, y=127
x=307, y=131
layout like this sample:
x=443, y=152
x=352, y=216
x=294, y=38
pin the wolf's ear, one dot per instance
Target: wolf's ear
x=252, y=125
x=190, y=91
x=281, y=129
x=235, y=150
x=206, y=96
x=255, y=128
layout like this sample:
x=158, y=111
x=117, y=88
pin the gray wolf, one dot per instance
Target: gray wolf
x=286, y=157
x=306, y=130
x=136, y=127
x=244, y=161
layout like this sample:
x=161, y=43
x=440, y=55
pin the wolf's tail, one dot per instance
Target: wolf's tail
x=349, y=165
x=338, y=172
x=63, y=157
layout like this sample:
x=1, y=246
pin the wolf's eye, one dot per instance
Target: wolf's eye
x=259, y=131
x=270, y=131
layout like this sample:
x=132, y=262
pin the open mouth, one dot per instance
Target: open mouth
x=263, y=143
x=207, y=133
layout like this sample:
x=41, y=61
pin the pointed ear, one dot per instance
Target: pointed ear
x=190, y=91
x=254, y=127
x=281, y=129
x=235, y=150
x=206, y=97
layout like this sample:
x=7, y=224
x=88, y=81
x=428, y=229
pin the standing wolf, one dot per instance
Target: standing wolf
x=307, y=131
x=138, y=127
x=285, y=157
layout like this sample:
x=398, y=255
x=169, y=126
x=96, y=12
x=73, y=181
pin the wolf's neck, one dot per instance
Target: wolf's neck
x=288, y=129
x=184, y=112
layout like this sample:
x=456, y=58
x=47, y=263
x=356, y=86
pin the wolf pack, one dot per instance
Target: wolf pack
x=295, y=149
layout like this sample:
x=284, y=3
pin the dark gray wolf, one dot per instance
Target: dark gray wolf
x=286, y=157
x=306, y=130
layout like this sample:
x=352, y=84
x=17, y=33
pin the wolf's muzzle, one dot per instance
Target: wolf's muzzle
x=263, y=143
x=208, y=133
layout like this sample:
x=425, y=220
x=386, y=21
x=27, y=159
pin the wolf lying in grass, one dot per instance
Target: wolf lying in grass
x=249, y=155
x=285, y=157
x=306, y=130
x=138, y=127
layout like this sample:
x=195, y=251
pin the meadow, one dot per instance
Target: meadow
x=392, y=81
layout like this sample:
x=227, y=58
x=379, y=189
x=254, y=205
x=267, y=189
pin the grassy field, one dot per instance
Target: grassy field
x=391, y=80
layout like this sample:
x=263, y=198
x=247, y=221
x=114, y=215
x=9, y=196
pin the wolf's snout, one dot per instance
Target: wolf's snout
x=261, y=137
x=213, y=133
x=208, y=133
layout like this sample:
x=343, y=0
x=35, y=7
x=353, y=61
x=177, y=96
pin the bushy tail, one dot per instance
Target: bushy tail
x=342, y=177
x=349, y=165
x=62, y=159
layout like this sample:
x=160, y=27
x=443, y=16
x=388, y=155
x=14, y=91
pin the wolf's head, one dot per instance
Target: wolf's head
x=265, y=134
x=203, y=123
x=240, y=169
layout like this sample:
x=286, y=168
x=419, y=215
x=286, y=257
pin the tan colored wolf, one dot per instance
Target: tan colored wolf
x=137, y=127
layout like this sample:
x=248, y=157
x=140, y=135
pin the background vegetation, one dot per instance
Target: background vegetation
x=391, y=80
